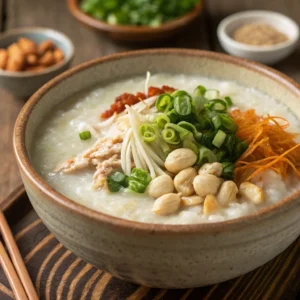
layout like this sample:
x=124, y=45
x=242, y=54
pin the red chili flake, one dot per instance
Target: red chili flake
x=154, y=91
x=168, y=89
x=106, y=114
x=141, y=96
x=130, y=99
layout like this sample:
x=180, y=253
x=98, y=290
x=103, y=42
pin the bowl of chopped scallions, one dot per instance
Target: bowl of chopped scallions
x=136, y=20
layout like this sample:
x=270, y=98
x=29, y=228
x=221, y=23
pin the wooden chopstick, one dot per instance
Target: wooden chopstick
x=11, y=275
x=16, y=259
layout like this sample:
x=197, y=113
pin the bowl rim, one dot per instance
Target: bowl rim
x=226, y=38
x=98, y=24
x=43, y=30
x=56, y=198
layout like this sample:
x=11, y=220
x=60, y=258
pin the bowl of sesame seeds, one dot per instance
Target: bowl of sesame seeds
x=264, y=36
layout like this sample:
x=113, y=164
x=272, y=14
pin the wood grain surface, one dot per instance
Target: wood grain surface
x=59, y=274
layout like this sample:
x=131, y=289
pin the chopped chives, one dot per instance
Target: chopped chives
x=85, y=135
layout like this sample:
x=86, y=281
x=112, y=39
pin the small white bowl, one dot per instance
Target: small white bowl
x=263, y=54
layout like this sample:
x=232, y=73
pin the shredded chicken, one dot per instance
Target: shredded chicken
x=105, y=155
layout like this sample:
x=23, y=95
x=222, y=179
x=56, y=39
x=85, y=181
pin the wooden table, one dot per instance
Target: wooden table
x=89, y=45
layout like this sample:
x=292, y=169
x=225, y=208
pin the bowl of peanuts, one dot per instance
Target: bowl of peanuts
x=29, y=57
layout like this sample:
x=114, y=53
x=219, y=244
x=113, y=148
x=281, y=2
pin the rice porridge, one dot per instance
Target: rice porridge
x=58, y=141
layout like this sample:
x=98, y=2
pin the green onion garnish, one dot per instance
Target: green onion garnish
x=228, y=123
x=138, y=180
x=148, y=133
x=217, y=105
x=117, y=181
x=228, y=170
x=183, y=104
x=219, y=139
x=199, y=91
x=164, y=103
x=170, y=136
x=162, y=120
x=228, y=101
x=85, y=135
x=212, y=94
x=172, y=115
x=205, y=156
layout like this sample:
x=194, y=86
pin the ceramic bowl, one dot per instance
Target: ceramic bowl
x=264, y=54
x=165, y=256
x=134, y=33
x=24, y=84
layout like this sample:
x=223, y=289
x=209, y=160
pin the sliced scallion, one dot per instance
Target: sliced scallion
x=85, y=135
x=162, y=120
x=228, y=123
x=170, y=136
x=190, y=127
x=183, y=105
x=164, y=103
x=219, y=139
x=172, y=115
x=199, y=91
x=148, y=133
x=212, y=94
x=228, y=101
x=216, y=120
x=191, y=145
x=217, y=105
x=228, y=170
x=205, y=156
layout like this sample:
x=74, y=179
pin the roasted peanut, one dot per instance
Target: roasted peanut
x=47, y=59
x=227, y=193
x=16, y=58
x=58, y=55
x=214, y=168
x=251, y=192
x=180, y=159
x=45, y=46
x=192, y=200
x=183, y=181
x=28, y=46
x=166, y=204
x=210, y=205
x=160, y=185
x=3, y=58
x=205, y=184
x=31, y=59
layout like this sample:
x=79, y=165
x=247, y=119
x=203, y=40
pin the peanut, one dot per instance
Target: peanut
x=183, y=181
x=180, y=159
x=210, y=205
x=16, y=58
x=166, y=204
x=227, y=193
x=58, y=55
x=47, y=59
x=251, y=192
x=3, y=58
x=31, y=59
x=27, y=46
x=192, y=200
x=45, y=46
x=160, y=185
x=205, y=184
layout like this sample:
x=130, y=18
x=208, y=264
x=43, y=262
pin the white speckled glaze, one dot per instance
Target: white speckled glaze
x=157, y=255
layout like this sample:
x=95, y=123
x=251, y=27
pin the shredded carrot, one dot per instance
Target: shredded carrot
x=270, y=146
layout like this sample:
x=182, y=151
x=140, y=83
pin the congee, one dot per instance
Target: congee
x=174, y=149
